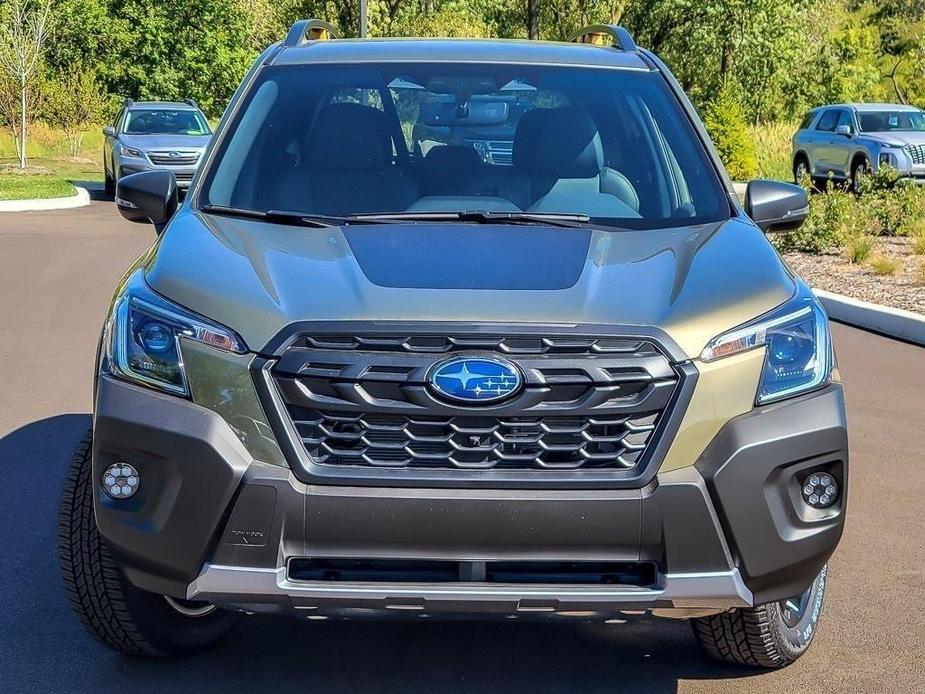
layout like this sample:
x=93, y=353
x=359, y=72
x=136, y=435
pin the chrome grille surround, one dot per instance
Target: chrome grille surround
x=917, y=154
x=164, y=158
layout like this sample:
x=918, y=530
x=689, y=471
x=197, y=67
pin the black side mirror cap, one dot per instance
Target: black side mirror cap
x=775, y=205
x=148, y=197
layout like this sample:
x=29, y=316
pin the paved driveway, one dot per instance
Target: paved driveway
x=56, y=273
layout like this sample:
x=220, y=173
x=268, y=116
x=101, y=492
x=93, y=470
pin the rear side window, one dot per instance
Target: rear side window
x=828, y=121
x=807, y=120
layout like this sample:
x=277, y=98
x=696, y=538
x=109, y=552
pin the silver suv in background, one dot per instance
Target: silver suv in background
x=148, y=135
x=846, y=141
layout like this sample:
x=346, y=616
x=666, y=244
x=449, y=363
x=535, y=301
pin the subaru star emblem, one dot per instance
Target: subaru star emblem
x=473, y=379
x=173, y=155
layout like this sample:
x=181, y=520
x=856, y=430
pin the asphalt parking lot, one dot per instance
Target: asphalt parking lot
x=57, y=270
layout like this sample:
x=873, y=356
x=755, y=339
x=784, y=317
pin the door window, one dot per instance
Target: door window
x=845, y=118
x=828, y=121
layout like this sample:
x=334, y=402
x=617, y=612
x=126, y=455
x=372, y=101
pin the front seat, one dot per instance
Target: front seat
x=559, y=154
x=349, y=164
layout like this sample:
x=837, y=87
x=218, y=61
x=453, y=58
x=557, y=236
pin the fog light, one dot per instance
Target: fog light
x=820, y=490
x=120, y=481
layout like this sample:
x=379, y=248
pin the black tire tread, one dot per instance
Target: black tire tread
x=93, y=580
x=742, y=636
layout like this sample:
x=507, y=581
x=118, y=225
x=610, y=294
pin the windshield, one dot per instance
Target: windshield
x=165, y=122
x=886, y=121
x=345, y=140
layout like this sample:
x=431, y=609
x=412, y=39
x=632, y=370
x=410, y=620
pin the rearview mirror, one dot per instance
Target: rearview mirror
x=844, y=130
x=435, y=113
x=109, y=131
x=776, y=206
x=148, y=197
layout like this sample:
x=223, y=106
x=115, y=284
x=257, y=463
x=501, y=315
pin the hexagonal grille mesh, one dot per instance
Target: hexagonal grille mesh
x=565, y=443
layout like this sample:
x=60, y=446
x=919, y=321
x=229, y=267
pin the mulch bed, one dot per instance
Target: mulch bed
x=833, y=273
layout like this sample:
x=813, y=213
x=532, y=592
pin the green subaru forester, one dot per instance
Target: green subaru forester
x=459, y=327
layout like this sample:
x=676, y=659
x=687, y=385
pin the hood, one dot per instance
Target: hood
x=146, y=142
x=691, y=282
x=898, y=138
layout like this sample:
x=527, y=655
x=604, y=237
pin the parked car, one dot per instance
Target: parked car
x=348, y=380
x=155, y=135
x=845, y=141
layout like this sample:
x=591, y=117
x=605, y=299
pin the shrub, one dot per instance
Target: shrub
x=858, y=248
x=832, y=220
x=897, y=206
x=725, y=121
x=884, y=265
x=920, y=273
x=772, y=149
x=918, y=243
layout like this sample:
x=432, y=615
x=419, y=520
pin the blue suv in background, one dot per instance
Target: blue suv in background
x=845, y=141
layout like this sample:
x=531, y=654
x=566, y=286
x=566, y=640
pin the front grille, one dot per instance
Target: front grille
x=390, y=440
x=181, y=158
x=588, y=404
x=917, y=154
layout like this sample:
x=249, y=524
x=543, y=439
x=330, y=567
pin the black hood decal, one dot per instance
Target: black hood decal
x=469, y=256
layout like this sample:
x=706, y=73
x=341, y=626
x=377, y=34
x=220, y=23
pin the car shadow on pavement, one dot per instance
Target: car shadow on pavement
x=44, y=648
x=96, y=189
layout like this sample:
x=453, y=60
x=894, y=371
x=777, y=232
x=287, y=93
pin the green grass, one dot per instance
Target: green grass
x=24, y=187
x=77, y=169
x=772, y=144
x=883, y=265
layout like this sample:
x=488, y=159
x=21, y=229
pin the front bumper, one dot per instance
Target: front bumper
x=129, y=165
x=211, y=523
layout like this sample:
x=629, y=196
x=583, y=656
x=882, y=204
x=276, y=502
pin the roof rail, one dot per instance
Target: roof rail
x=191, y=102
x=305, y=30
x=127, y=101
x=597, y=34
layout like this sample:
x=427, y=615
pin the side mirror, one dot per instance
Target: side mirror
x=109, y=131
x=148, y=197
x=844, y=130
x=776, y=206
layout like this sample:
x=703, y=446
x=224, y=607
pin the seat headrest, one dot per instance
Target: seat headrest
x=558, y=142
x=350, y=137
x=451, y=157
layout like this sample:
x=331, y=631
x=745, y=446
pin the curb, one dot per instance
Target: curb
x=79, y=199
x=892, y=322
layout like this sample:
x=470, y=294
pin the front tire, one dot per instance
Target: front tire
x=800, y=170
x=109, y=184
x=859, y=170
x=120, y=615
x=769, y=636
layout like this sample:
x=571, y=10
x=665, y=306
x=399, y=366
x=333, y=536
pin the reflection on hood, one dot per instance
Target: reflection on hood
x=692, y=282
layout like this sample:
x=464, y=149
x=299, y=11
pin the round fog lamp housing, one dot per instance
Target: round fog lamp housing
x=820, y=490
x=120, y=481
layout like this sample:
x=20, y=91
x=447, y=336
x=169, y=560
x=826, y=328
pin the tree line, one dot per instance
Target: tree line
x=774, y=58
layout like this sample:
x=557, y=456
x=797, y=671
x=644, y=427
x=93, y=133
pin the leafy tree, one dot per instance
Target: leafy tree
x=725, y=121
x=24, y=29
x=74, y=103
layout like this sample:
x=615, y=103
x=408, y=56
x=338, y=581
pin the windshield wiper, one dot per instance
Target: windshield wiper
x=276, y=216
x=569, y=221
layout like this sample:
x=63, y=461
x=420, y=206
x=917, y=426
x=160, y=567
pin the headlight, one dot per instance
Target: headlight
x=888, y=159
x=145, y=334
x=130, y=152
x=798, y=352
